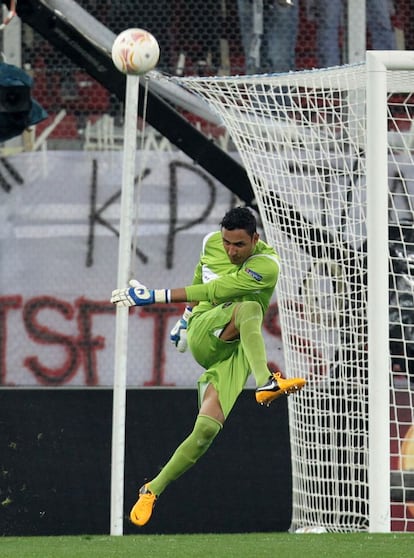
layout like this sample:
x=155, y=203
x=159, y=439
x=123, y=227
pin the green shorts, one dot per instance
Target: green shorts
x=225, y=363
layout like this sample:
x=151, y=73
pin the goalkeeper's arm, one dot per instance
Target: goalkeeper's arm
x=139, y=295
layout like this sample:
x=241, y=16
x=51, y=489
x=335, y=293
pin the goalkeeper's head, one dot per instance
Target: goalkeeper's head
x=239, y=235
x=240, y=218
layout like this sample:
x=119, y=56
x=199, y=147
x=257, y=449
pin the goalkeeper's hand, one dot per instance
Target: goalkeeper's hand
x=134, y=295
x=178, y=334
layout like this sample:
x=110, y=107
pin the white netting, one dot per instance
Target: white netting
x=302, y=139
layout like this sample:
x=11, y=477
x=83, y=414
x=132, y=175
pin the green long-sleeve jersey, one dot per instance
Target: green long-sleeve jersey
x=217, y=280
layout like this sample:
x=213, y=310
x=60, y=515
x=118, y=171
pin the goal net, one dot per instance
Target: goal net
x=302, y=137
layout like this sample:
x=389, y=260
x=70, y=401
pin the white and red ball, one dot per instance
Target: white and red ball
x=135, y=51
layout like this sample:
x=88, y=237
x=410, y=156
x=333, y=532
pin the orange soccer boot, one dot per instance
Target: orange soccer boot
x=142, y=510
x=277, y=386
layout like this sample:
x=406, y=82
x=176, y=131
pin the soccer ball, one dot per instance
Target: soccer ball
x=135, y=51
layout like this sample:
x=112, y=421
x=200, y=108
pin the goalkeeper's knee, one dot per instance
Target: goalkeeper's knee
x=205, y=430
x=248, y=311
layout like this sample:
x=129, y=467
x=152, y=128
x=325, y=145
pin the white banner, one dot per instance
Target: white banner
x=59, y=221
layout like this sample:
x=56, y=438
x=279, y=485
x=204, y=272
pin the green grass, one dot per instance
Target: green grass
x=252, y=545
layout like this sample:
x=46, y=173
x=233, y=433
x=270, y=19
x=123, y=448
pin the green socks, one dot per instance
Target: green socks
x=249, y=323
x=187, y=454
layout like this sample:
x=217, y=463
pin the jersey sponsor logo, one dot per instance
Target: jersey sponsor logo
x=254, y=274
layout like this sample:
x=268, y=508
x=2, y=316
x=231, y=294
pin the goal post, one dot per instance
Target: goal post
x=377, y=308
x=329, y=154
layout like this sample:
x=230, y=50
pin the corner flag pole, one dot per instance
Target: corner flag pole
x=121, y=324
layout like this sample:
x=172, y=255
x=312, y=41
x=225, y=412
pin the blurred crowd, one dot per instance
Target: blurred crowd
x=222, y=37
x=255, y=36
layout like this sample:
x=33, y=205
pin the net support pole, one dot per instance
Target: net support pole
x=121, y=324
x=378, y=319
x=356, y=17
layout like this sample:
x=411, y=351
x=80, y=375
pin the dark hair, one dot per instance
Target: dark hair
x=239, y=218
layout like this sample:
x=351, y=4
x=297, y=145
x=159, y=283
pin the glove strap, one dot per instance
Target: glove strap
x=162, y=295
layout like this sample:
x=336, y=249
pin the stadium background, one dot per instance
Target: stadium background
x=58, y=265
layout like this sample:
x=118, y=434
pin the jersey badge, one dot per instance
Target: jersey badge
x=256, y=276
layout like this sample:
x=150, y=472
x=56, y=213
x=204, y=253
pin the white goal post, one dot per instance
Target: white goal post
x=330, y=156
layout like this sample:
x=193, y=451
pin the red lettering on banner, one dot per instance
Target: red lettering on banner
x=160, y=314
x=80, y=347
x=6, y=303
x=44, y=335
x=87, y=344
x=78, y=350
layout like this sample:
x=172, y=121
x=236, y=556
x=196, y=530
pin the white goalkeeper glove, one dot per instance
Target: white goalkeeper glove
x=178, y=334
x=138, y=295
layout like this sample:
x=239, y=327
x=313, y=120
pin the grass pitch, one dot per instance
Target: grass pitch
x=251, y=545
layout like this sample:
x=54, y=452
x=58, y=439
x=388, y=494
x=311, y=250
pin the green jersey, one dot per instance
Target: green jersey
x=216, y=280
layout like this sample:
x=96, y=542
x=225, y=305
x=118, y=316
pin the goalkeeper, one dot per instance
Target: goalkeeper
x=232, y=286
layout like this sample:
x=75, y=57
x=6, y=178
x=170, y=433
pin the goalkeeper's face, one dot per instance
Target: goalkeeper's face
x=238, y=244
